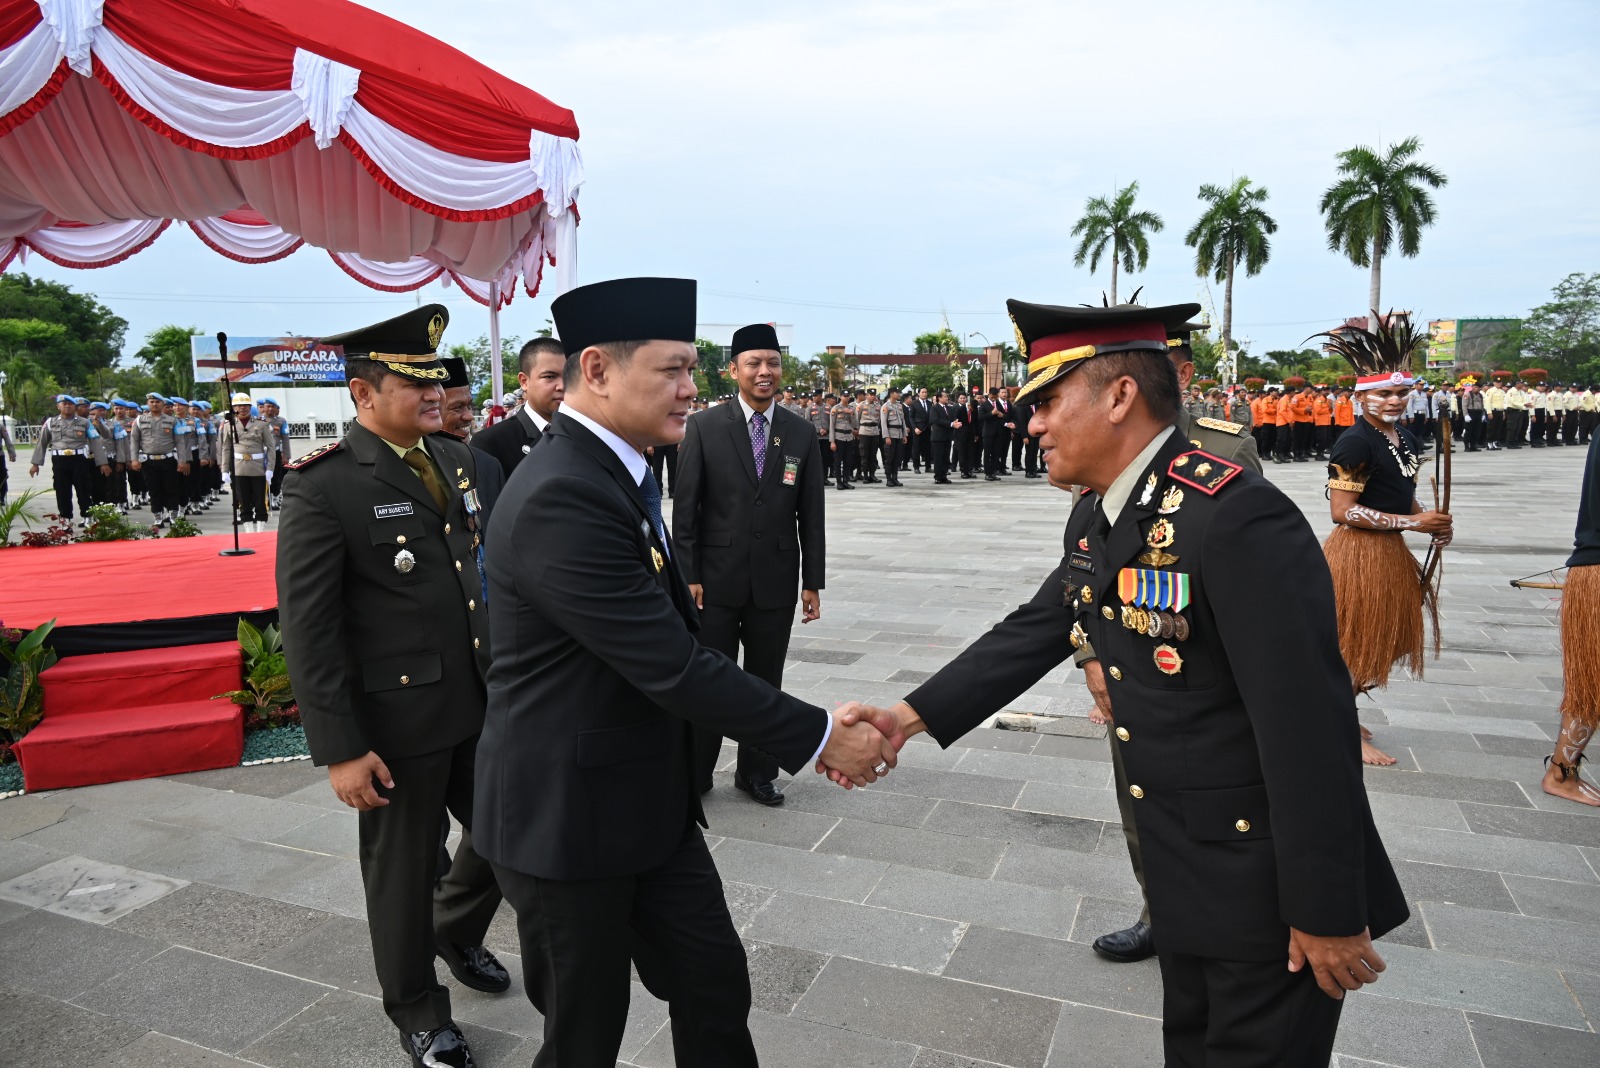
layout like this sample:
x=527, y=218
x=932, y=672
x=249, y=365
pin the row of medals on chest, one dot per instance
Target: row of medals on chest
x=1165, y=620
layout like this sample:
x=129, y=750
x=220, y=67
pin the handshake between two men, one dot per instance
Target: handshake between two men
x=865, y=740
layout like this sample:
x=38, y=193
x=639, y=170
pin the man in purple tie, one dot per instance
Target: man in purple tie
x=747, y=524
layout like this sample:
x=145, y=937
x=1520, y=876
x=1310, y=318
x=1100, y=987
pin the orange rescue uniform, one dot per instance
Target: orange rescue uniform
x=1344, y=413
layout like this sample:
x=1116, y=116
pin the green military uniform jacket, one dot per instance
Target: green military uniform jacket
x=1231, y=441
x=381, y=601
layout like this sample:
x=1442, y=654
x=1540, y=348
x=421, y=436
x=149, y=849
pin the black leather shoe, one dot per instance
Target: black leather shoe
x=1030, y=474
x=1125, y=947
x=991, y=478
x=763, y=793
x=941, y=482
x=475, y=966
x=443, y=1047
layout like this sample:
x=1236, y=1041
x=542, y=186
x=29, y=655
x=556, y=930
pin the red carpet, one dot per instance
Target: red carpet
x=119, y=582
x=146, y=634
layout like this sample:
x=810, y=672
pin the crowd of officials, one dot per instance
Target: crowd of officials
x=169, y=455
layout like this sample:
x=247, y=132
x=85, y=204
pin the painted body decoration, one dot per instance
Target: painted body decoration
x=1372, y=519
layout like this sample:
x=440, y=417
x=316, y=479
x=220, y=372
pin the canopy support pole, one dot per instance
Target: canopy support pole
x=497, y=378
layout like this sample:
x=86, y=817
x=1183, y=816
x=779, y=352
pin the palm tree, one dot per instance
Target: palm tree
x=1114, y=222
x=1233, y=228
x=1374, y=197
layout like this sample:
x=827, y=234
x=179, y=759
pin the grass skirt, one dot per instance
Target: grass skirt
x=1377, y=586
x=1580, y=645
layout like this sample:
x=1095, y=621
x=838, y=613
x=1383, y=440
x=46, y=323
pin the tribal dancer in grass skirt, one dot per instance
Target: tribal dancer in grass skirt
x=1378, y=584
x=1580, y=647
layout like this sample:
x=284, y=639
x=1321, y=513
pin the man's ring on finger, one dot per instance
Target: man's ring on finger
x=881, y=767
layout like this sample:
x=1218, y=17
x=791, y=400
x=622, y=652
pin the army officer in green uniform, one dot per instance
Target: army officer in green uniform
x=387, y=638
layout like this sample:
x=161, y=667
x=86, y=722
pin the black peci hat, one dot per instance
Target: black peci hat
x=457, y=368
x=1056, y=339
x=407, y=345
x=755, y=336
x=625, y=309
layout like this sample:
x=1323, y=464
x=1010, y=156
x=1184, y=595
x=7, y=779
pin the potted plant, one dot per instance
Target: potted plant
x=1294, y=381
x=18, y=512
x=1501, y=377
x=1345, y=381
x=26, y=657
x=267, y=697
x=1533, y=375
x=1254, y=384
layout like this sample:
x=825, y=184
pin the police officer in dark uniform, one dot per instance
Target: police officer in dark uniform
x=1236, y=724
x=387, y=638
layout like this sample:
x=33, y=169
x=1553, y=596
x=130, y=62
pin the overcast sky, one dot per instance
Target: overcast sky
x=857, y=168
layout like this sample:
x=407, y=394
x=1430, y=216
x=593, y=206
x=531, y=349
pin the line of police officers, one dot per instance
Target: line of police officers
x=168, y=454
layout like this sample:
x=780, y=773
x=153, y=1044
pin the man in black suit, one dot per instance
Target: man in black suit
x=748, y=526
x=945, y=422
x=457, y=416
x=586, y=799
x=1236, y=724
x=967, y=433
x=387, y=643
x=539, y=368
x=996, y=426
x=1030, y=445
x=919, y=414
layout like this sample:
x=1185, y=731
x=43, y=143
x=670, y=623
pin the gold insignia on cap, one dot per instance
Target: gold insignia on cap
x=1022, y=342
x=435, y=330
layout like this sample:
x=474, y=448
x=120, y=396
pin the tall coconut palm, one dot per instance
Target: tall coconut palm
x=1233, y=229
x=1376, y=198
x=1114, y=223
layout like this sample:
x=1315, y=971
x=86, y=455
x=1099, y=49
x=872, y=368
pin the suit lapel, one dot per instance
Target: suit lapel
x=528, y=426
x=739, y=434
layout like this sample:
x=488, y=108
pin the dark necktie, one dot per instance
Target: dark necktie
x=758, y=443
x=418, y=461
x=652, y=504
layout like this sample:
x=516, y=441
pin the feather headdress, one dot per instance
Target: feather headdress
x=1380, y=357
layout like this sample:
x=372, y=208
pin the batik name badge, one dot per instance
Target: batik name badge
x=1159, y=590
x=791, y=470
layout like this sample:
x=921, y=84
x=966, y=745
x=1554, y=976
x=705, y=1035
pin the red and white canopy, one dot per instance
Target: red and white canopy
x=267, y=124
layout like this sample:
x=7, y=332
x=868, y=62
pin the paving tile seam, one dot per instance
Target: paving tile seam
x=812, y=848
x=1593, y=1017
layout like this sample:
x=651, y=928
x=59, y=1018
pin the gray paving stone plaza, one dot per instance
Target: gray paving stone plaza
x=939, y=919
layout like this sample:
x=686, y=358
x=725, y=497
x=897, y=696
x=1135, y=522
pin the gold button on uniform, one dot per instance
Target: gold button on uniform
x=405, y=680
x=458, y=565
x=472, y=606
x=1116, y=673
x=1107, y=612
x=1242, y=826
x=1122, y=734
x=475, y=643
x=400, y=539
x=1136, y=791
x=447, y=528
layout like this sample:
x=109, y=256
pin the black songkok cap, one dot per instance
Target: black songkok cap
x=625, y=309
x=457, y=367
x=755, y=336
x=406, y=345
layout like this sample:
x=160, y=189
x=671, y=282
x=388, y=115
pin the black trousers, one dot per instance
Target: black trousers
x=1244, y=1014
x=994, y=454
x=940, y=459
x=967, y=451
x=844, y=461
x=1497, y=428
x=672, y=922
x=200, y=482
x=923, y=449
x=893, y=451
x=250, y=498
x=1474, y=431
x=764, y=634
x=69, y=474
x=277, y=473
x=160, y=482
x=1569, y=426
x=1536, y=433
x=1303, y=435
x=5, y=479
x=399, y=845
x=1516, y=427
x=665, y=456
x=867, y=446
x=1030, y=456
x=1018, y=439
x=1323, y=437
x=826, y=456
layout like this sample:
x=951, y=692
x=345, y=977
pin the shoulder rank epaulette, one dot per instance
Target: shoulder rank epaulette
x=314, y=455
x=1220, y=424
x=1203, y=471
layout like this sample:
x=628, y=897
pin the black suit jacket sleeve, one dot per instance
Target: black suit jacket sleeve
x=688, y=484
x=491, y=479
x=1296, y=692
x=588, y=582
x=1016, y=653
x=310, y=574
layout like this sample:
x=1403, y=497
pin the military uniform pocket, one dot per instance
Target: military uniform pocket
x=1228, y=815
x=401, y=672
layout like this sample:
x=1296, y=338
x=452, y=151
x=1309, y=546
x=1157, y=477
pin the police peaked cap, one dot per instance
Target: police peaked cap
x=1056, y=339
x=407, y=345
x=625, y=309
x=756, y=336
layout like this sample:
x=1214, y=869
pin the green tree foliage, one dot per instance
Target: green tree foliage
x=931, y=376
x=711, y=378
x=28, y=383
x=1561, y=335
x=1114, y=224
x=1233, y=231
x=1378, y=198
x=168, y=358
x=92, y=338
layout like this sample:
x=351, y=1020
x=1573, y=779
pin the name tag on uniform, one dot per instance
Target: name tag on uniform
x=791, y=469
x=1081, y=562
x=389, y=511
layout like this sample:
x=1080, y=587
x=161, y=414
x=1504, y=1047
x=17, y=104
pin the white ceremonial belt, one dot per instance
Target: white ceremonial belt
x=69, y=452
x=154, y=455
